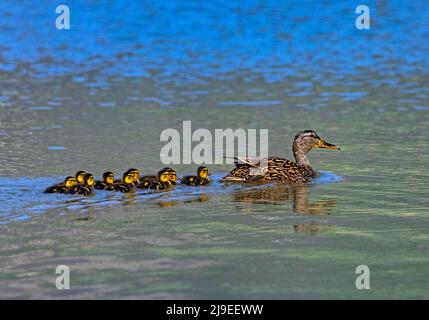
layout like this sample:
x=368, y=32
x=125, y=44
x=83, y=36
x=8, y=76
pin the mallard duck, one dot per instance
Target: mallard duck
x=79, y=176
x=87, y=187
x=108, y=182
x=136, y=174
x=281, y=169
x=159, y=182
x=200, y=179
x=68, y=186
x=127, y=183
x=172, y=173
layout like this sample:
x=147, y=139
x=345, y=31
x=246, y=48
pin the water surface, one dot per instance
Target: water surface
x=97, y=97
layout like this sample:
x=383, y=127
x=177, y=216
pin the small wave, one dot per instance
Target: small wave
x=327, y=177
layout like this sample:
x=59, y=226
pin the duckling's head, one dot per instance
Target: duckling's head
x=135, y=173
x=79, y=176
x=164, y=176
x=203, y=172
x=88, y=179
x=172, y=173
x=128, y=178
x=70, y=182
x=108, y=177
x=305, y=141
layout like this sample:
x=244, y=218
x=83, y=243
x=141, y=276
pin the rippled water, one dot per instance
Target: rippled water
x=96, y=97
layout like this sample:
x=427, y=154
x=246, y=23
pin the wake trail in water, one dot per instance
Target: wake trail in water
x=23, y=198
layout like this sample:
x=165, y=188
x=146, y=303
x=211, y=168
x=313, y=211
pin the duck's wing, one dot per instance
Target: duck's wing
x=287, y=171
x=266, y=169
x=250, y=161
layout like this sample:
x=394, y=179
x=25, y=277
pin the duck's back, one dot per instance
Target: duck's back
x=275, y=168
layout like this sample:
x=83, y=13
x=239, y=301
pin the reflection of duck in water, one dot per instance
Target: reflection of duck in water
x=281, y=169
x=309, y=227
x=171, y=203
x=298, y=195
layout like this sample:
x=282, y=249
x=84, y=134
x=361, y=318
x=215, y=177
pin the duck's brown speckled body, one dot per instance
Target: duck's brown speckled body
x=281, y=169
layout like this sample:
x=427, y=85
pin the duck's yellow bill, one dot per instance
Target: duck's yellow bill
x=326, y=145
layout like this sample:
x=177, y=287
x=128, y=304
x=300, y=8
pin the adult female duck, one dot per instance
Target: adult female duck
x=276, y=168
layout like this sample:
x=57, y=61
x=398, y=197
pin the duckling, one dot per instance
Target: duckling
x=87, y=187
x=281, y=169
x=160, y=182
x=200, y=179
x=107, y=183
x=79, y=176
x=136, y=174
x=68, y=186
x=173, y=175
x=127, y=183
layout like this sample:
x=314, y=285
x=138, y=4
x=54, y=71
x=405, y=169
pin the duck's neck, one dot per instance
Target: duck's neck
x=301, y=156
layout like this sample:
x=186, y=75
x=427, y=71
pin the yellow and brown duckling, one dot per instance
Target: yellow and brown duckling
x=68, y=186
x=108, y=182
x=134, y=172
x=172, y=173
x=200, y=179
x=159, y=182
x=79, y=176
x=87, y=187
x=136, y=175
x=281, y=169
x=127, y=183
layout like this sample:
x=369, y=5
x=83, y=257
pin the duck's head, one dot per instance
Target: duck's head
x=164, y=176
x=128, y=178
x=108, y=177
x=308, y=139
x=70, y=182
x=305, y=141
x=79, y=176
x=203, y=172
x=135, y=173
x=88, y=179
x=172, y=173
